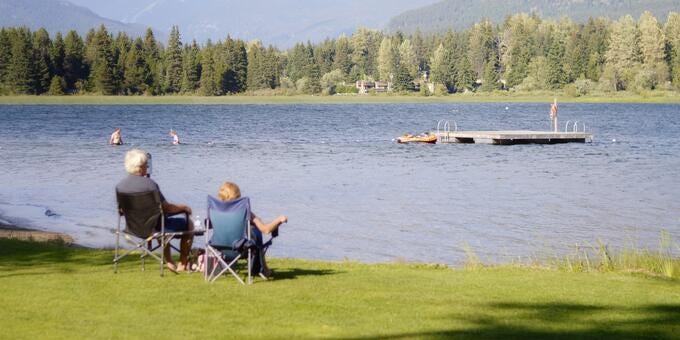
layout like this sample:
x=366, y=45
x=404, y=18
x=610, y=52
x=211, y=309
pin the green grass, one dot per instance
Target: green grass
x=544, y=96
x=51, y=291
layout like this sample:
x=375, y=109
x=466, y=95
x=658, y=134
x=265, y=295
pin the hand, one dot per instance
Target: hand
x=187, y=210
x=282, y=219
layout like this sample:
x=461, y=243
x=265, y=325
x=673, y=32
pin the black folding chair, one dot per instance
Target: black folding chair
x=144, y=223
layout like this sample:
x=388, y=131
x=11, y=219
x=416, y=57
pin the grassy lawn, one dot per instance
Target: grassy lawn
x=621, y=97
x=51, y=291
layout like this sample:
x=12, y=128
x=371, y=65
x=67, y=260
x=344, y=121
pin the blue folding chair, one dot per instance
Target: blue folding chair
x=228, y=238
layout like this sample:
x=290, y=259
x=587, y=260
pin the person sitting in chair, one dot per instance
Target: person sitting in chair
x=230, y=191
x=137, y=181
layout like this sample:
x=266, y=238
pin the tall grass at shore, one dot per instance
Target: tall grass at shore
x=601, y=258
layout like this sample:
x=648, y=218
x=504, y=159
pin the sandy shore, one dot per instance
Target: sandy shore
x=8, y=231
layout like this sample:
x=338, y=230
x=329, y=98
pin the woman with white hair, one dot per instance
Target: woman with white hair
x=137, y=166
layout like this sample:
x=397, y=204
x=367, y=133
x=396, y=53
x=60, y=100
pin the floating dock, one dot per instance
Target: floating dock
x=512, y=137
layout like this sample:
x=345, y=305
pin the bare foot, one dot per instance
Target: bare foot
x=181, y=267
x=171, y=267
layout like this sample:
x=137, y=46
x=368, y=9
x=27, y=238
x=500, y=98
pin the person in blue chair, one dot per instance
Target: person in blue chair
x=230, y=191
x=137, y=181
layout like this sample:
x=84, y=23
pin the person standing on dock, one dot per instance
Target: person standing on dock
x=553, y=115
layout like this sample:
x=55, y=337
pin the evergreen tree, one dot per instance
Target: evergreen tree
x=673, y=41
x=465, y=76
x=491, y=77
x=482, y=47
x=136, y=75
x=324, y=56
x=90, y=47
x=191, y=74
x=74, y=66
x=422, y=49
x=208, y=85
x=152, y=58
x=271, y=70
x=556, y=76
x=596, y=38
x=57, y=86
x=57, y=56
x=5, y=55
x=298, y=59
x=402, y=80
x=173, y=62
x=624, y=53
x=102, y=76
x=521, y=49
x=651, y=40
x=41, y=60
x=256, y=79
x=386, y=60
x=408, y=59
x=238, y=64
x=343, y=56
x=121, y=48
x=365, y=45
x=20, y=71
x=440, y=66
x=653, y=51
x=575, y=55
x=313, y=74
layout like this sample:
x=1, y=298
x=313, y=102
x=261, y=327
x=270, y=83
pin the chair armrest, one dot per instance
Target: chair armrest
x=178, y=213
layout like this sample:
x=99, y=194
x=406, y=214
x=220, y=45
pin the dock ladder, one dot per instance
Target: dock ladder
x=444, y=130
x=574, y=127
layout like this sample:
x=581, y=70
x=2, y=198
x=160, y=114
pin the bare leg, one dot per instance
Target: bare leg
x=170, y=263
x=184, y=249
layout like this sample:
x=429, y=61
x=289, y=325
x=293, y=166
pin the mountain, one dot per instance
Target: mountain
x=278, y=22
x=58, y=16
x=460, y=14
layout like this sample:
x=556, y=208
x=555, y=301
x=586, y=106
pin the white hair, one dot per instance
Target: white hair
x=135, y=159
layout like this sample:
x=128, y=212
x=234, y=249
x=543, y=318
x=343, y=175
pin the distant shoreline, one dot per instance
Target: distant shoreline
x=624, y=98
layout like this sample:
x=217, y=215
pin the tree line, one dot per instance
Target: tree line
x=525, y=53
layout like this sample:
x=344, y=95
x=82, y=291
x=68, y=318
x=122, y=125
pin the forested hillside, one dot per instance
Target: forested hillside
x=525, y=53
x=278, y=22
x=57, y=16
x=461, y=14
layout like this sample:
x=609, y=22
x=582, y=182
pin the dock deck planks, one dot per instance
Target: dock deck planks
x=513, y=137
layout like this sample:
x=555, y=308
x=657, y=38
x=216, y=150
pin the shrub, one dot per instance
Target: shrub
x=57, y=86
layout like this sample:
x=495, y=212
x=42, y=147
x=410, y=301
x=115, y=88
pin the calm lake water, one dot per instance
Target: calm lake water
x=349, y=191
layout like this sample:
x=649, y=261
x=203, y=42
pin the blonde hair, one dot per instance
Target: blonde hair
x=229, y=191
x=135, y=159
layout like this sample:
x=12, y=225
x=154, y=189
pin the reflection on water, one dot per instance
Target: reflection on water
x=348, y=189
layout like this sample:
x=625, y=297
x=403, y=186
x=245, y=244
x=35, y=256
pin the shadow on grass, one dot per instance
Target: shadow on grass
x=294, y=273
x=559, y=321
x=36, y=258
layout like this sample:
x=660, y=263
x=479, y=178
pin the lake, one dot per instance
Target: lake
x=349, y=190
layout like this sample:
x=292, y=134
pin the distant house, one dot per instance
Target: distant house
x=364, y=86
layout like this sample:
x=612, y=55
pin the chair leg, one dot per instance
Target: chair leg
x=250, y=266
x=162, y=253
x=115, y=255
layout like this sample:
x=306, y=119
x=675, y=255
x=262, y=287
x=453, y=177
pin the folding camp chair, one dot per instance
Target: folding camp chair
x=143, y=213
x=228, y=238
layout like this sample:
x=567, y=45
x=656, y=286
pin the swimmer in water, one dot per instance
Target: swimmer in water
x=175, y=137
x=116, y=138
